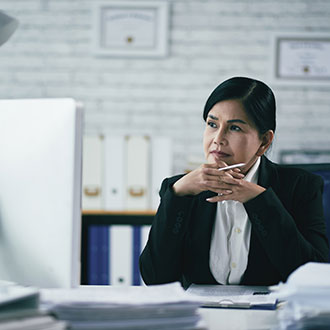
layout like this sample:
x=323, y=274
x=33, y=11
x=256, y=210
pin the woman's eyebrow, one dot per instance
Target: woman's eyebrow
x=237, y=121
x=229, y=121
x=213, y=117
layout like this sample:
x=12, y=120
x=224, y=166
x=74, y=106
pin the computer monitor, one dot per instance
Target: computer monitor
x=40, y=192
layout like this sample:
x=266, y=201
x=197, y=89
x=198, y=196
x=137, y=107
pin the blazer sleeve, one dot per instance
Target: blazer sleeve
x=161, y=260
x=294, y=235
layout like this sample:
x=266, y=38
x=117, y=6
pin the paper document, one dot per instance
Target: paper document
x=309, y=285
x=163, y=307
x=115, y=295
x=307, y=296
x=19, y=309
x=15, y=296
x=31, y=322
x=234, y=296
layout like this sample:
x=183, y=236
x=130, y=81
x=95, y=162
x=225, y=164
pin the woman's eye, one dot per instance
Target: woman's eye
x=211, y=124
x=235, y=128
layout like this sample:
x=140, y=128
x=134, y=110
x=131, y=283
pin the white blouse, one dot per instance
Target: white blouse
x=230, y=241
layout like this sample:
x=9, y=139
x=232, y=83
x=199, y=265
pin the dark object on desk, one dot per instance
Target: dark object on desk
x=234, y=296
x=322, y=170
x=241, y=305
x=260, y=292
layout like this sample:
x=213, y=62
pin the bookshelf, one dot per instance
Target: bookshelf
x=96, y=254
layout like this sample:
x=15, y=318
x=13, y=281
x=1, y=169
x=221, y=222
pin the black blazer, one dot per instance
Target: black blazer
x=288, y=230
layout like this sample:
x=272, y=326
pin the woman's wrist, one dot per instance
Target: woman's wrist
x=258, y=191
x=180, y=189
x=177, y=189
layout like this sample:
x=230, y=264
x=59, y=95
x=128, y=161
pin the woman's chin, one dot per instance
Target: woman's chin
x=217, y=160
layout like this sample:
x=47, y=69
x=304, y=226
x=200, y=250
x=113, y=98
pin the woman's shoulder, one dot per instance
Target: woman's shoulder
x=290, y=172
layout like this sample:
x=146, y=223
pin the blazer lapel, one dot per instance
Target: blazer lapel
x=268, y=177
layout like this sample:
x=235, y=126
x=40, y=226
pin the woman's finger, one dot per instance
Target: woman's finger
x=237, y=175
x=217, y=184
x=214, y=171
x=221, y=197
x=230, y=180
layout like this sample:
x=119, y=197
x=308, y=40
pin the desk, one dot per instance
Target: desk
x=238, y=319
x=230, y=319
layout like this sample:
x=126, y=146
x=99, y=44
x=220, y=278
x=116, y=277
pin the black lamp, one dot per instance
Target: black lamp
x=8, y=25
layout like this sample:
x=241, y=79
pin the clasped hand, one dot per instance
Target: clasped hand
x=229, y=184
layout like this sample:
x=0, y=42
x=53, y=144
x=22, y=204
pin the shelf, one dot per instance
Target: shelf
x=90, y=218
x=126, y=212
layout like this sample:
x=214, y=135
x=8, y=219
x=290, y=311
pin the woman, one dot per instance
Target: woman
x=251, y=225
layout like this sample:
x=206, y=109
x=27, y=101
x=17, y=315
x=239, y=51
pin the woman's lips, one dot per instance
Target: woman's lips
x=219, y=154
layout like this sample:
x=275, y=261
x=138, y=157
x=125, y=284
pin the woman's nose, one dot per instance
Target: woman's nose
x=219, y=138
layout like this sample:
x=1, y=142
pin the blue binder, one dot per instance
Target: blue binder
x=99, y=263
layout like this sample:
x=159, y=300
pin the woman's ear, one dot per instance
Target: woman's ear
x=266, y=141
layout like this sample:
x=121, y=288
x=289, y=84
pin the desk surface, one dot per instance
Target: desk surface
x=233, y=319
x=238, y=319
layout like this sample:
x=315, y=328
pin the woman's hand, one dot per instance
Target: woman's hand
x=207, y=177
x=229, y=184
x=241, y=191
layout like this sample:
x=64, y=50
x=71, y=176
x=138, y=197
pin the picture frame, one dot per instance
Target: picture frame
x=131, y=28
x=304, y=156
x=300, y=58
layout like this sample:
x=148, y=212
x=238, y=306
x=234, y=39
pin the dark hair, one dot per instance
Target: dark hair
x=256, y=97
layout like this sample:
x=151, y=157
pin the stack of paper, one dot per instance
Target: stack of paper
x=136, y=307
x=307, y=296
x=19, y=309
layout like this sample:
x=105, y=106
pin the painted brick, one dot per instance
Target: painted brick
x=51, y=55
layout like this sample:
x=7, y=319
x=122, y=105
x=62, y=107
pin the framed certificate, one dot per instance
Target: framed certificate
x=304, y=156
x=301, y=58
x=131, y=28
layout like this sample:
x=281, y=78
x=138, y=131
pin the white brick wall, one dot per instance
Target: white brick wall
x=51, y=56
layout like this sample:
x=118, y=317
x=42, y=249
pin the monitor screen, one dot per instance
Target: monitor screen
x=40, y=192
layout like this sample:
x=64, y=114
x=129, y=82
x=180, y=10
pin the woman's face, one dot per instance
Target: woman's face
x=230, y=136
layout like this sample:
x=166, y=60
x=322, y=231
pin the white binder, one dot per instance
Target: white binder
x=161, y=154
x=121, y=247
x=114, y=180
x=92, y=172
x=137, y=172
